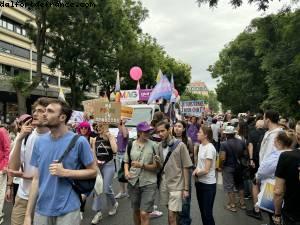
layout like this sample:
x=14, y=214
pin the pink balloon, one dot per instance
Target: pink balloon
x=136, y=73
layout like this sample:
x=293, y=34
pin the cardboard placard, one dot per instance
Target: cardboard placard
x=108, y=112
x=126, y=112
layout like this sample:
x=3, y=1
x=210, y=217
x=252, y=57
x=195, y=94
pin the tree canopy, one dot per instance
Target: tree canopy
x=260, y=4
x=91, y=44
x=261, y=68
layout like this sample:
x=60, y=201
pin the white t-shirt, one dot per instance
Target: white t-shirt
x=25, y=155
x=267, y=145
x=207, y=152
x=216, y=130
x=165, y=152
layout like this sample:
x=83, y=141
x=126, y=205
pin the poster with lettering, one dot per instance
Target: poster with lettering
x=108, y=112
x=129, y=96
x=192, y=108
x=145, y=94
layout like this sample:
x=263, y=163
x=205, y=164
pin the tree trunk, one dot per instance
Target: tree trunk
x=21, y=103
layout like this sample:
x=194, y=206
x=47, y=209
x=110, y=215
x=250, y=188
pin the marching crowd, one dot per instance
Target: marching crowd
x=44, y=159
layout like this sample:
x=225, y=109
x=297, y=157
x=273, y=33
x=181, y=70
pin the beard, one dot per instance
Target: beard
x=51, y=125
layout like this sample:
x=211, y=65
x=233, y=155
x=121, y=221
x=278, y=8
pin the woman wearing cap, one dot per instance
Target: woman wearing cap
x=140, y=169
x=232, y=156
x=104, y=146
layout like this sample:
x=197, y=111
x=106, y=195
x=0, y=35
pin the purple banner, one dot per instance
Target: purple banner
x=145, y=94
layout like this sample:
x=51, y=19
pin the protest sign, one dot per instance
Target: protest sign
x=129, y=95
x=145, y=94
x=108, y=112
x=193, y=108
x=126, y=112
x=76, y=117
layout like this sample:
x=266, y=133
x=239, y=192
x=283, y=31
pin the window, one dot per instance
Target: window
x=18, y=30
x=14, y=50
x=10, y=26
x=5, y=69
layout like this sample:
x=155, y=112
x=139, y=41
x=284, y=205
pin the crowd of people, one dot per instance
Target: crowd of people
x=159, y=167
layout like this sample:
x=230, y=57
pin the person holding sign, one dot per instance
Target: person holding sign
x=105, y=146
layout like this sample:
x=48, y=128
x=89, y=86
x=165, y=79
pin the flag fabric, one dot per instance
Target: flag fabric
x=61, y=94
x=173, y=97
x=159, y=76
x=118, y=86
x=163, y=89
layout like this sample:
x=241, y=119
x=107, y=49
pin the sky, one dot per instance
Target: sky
x=196, y=35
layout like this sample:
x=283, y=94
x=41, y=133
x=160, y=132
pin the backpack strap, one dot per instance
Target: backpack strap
x=70, y=146
x=171, y=149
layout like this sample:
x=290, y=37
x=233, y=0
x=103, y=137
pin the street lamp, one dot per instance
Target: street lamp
x=45, y=84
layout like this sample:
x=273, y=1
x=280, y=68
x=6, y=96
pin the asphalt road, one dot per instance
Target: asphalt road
x=124, y=214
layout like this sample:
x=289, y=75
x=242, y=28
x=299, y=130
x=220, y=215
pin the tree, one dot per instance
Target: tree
x=261, y=4
x=87, y=42
x=213, y=103
x=279, y=46
x=36, y=30
x=261, y=67
x=242, y=87
x=21, y=83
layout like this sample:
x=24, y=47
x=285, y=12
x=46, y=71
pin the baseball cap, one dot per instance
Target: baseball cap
x=143, y=127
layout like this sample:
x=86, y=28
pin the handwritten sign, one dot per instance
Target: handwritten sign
x=126, y=112
x=108, y=112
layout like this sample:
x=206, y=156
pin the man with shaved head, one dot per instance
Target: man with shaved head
x=254, y=141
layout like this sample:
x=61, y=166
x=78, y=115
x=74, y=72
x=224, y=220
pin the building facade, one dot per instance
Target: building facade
x=197, y=87
x=18, y=56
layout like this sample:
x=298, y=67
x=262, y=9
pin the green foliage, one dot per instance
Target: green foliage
x=22, y=84
x=91, y=44
x=261, y=4
x=261, y=67
x=211, y=99
x=243, y=86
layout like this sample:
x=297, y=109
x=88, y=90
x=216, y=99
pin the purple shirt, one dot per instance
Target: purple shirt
x=192, y=132
x=121, y=142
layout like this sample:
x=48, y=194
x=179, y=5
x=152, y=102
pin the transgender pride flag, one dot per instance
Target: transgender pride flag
x=163, y=89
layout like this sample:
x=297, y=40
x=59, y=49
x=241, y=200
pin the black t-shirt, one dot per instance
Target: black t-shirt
x=255, y=138
x=103, y=150
x=288, y=168
x=234, y=148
